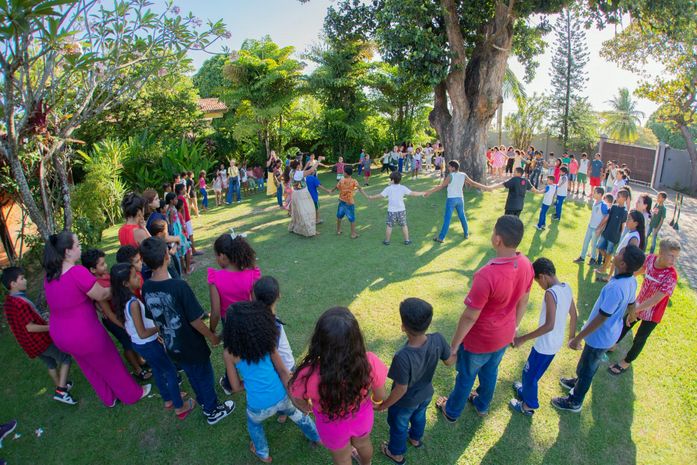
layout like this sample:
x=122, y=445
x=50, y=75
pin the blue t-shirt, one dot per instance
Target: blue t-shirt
x=596, y=168
x=312, y=182
x=612, y=302
x=262, y=384
x=154, y=216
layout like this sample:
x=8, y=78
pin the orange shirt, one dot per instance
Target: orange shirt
x=347, y=188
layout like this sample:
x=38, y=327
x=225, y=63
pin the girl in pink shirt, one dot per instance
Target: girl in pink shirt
x=339, y=381
x=235, y=279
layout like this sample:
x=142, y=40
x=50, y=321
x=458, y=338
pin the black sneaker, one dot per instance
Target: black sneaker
x=7, y=428
x=563, y=403
x=568, y=383
x=64, y=396
x=220, y=412
x=592, y=262
x=224, y=386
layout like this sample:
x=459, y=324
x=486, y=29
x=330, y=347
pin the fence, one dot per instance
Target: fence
x=639, y=160
x=673, y=168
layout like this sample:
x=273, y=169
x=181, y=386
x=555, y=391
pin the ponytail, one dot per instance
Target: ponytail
x=120, y=293
x=54, y=253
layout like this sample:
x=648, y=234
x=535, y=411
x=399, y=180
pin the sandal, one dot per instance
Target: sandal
x=440, y=405
x=185, y=413
x=407, y=242
x=415, y=444
x=144, y=375
x=171, y=404
x=473, y=395
x=616, y=369
x=253, y=450
x=437, y=239
x=386, y=452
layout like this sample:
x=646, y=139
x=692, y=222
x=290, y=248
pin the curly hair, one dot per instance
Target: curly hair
x=237, y=250
x=337, y=351
x=250, y=331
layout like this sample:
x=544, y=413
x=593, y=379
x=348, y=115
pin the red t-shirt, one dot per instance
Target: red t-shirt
x=19, y=313
x=656, y=280
x=496, y=289
x=126, y=236
x=187, y=217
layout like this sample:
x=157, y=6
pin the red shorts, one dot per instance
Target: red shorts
x=595, y=182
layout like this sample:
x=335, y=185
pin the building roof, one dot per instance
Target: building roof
x=211, y=105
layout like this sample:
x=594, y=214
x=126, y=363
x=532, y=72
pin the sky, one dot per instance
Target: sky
x=290, y=22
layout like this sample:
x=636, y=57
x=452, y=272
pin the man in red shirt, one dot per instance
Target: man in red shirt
x=31, y=332
x=493, y=309
x=660, y=279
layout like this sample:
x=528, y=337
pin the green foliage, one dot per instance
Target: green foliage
x=209, y=79
x=623, y=120
x=527, y=121
x=668, y=134
x=96, y=201
x=583, y=126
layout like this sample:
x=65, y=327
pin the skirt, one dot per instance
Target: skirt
x=302, y=218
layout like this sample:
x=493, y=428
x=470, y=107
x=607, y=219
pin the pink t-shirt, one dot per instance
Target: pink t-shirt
x=340, y=168
x=336, y=434
x=573, y=166
x=496, y=289
x=202, y=183
x=233, y=286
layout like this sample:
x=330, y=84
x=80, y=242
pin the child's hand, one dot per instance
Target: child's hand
x=575, y=344
x=517, y=341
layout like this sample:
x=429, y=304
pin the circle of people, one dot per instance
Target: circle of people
x=333, y=392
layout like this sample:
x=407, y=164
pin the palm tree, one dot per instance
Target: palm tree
x=512, y=87
x=623, y=119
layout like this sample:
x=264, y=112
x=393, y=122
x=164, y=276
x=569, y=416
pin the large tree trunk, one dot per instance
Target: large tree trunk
x=467, y=100
x=692, y=151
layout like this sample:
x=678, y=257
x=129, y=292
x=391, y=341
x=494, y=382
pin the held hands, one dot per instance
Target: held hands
x=575, y=344
x=631, y=318
x=215, y=340
x=517, y=341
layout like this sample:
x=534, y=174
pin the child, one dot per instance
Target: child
x=562, y=191
x=191, y=193
x=366, y=162
x=547, y=199
x=660, y=280
x=557, y=170
x=166, y=188
x=130, y=311
x=250, y=338
x=619, y=182
x=267, y=291
x=184, y=209
x=412, y=370
x=517, y=187
x=129, y=254
x=312, y=182
x=603, y=328
x=341, y=395
x=218, y=189
x=31, y=331
x=599, y=211
x=611, y=227
x=178, y=316
x=94, y=261
x=347, y=188
x=643, y=204
x=549, y=336
x=657, y=218
x=202, y=189
x=417, y=163
x=583, y=166
x=396, y=210
x=439, y=161
x=633, y=234
x=178, y=230
x=159, y=229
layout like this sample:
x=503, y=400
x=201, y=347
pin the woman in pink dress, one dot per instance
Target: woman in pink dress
x=75, y=327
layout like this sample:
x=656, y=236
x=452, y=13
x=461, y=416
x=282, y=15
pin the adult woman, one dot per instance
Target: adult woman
x=302, y=212
x=75, y=328
x=133, y=232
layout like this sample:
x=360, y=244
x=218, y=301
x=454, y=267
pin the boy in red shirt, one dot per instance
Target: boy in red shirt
x=660, y=279
x=31, y=332
x=493, y=309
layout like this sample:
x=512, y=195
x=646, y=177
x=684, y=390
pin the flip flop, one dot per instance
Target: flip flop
x=385, y=451
x=616, y=369
x=171, y=405
x=440, y=405
x=418, y=445
x=436, y=239
x=253, y=450
x=185, y=413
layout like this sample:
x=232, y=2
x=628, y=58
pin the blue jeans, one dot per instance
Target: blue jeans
x=284, y=407
x=400, y=164
x=469, y=367
x=535, y=367
x=589, y=239
x=360, y=167
x=201, y=379
x=543, y=216
x=652, y=236
x=233, y=188
x=453, y=203
x=204, y=193
x=163, y=370
x=585, y=370
x=399, y=418
x=260, y=184
x=560, y=204
x=279, y=196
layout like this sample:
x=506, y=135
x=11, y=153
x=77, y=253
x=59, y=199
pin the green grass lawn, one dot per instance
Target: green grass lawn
x=646, y=416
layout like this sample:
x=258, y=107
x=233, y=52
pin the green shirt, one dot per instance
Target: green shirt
x=566, y=160
x=658, y=217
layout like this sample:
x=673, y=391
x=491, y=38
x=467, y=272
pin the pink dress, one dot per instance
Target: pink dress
x=499, y=159
x=233, y=286
x=337, y=433
x=76, y=330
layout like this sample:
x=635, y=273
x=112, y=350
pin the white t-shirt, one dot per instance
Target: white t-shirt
x=550, y=190
x=598, y=212
x=417, y=156
x=284, y=350
x=130, y=326
x=563, y=186
x=457, y=182
x=583, y=166
x=550, y=343
x=628, y=236
x=395, y=197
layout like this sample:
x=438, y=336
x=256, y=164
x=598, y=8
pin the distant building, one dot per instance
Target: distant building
x=212, y=108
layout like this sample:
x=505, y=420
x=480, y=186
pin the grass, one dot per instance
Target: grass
x=646, y=416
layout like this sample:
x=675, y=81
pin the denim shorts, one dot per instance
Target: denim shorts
x=607, y=246
x=53, y=357
x=349, y=211
x=572, y=177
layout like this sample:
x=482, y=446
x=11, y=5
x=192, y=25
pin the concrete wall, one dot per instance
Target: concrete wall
x=673, y=168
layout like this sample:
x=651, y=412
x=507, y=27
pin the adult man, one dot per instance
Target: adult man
x=494, y=307
x=233, y=174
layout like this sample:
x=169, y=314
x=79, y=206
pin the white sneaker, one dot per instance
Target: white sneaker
x=146, y=390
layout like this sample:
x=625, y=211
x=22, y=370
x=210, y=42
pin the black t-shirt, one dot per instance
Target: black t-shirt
x=415, y=366
x=172, y=305
x=616, y=217
x=517, y=187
